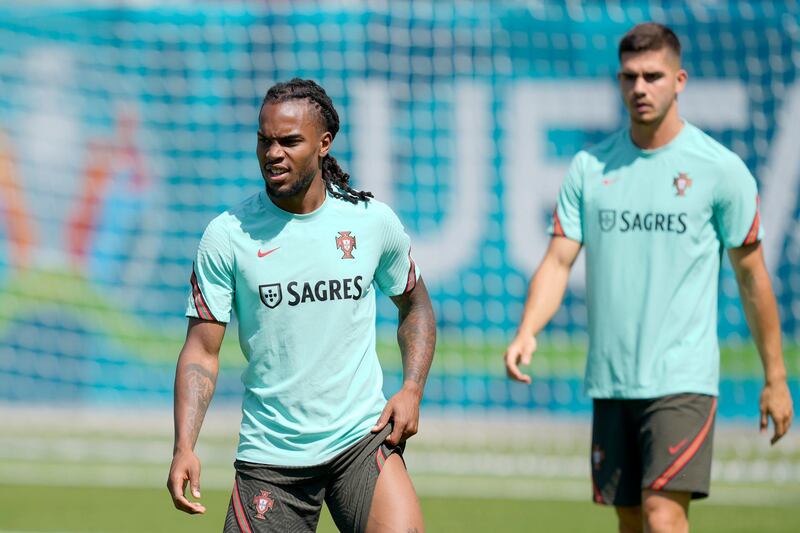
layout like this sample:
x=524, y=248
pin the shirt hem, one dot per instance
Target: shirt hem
x=639, y=394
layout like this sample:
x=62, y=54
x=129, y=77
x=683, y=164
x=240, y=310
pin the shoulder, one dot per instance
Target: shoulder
x=609, y=144
x=373, y=210
x=598, y=154
x=220, y=227
x=703, y=142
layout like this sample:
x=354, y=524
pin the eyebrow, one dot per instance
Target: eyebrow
x=290, y=137
x=625, y=72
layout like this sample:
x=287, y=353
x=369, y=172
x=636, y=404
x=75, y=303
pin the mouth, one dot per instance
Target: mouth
x=276, y=172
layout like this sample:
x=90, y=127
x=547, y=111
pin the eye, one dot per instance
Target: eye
x=628, y=76
x=650, y=77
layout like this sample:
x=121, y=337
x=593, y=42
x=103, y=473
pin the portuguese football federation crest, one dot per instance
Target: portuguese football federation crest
x=608, y=217
x=263, y=503
x=346, y=243
x=271, y=294
x=681, y=183
x=597, y=457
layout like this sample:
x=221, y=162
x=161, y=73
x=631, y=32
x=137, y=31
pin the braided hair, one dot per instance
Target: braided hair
x=332, y=173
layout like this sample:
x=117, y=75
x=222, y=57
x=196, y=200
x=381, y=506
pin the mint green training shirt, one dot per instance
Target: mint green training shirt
x=654, y=224
x=302, y=290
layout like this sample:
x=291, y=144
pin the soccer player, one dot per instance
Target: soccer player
x=299, y=263
x=654, y=205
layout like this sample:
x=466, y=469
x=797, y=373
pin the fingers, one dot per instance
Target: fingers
x=383, y=419
x=763, y=420
x=396, y=434
x=782, y=424
x=513, y=371
x=179, y=477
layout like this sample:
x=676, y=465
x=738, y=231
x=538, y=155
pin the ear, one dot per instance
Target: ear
x=681, y=77
x=325, y=143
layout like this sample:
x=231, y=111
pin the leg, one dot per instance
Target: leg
x=395, y=507
x=666, y=512
x=370, y=489
x=630, y=519
x=614, y=456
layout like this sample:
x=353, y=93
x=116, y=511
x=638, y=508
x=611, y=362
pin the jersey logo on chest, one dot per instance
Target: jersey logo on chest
x=271, y=294
x=681, y=183
x=346, y=243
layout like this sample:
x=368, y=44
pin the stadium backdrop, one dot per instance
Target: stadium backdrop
x=124, y=130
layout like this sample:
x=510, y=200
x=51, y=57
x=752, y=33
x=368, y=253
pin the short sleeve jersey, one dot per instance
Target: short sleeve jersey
x=654, y=224
x=303, y=290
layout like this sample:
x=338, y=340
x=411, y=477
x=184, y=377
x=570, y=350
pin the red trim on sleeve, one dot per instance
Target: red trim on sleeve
x=412, y=275
x=752, y=235
x=203, y=310
x=688, y=453
x=558, y=230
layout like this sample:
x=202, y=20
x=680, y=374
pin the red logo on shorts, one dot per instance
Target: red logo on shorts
x=263, y=504
x=674, y=449
x=346, y=243
x=597, y=457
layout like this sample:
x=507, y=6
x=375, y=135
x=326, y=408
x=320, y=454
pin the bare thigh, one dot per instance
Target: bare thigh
x=395, y=506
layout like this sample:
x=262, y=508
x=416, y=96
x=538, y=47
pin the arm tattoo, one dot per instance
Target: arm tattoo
x=199, y=383
x=416, y=335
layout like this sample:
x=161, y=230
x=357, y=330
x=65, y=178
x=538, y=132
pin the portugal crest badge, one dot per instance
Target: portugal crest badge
x=597, y=457
x=681, y=183
x=263, y=503
x=346, y=243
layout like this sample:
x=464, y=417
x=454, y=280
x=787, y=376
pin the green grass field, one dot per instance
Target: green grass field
x=116, y=510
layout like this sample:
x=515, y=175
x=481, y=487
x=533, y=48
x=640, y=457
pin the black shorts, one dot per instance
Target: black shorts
x=659, y=444
x=269, y=498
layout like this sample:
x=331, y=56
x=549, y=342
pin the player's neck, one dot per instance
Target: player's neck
x=305, y=201
x=655, y=135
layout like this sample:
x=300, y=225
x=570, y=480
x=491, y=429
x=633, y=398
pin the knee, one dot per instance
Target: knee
x=630, y=519
x=664, y=518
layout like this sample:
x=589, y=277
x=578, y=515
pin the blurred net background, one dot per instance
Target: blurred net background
x=126, y=126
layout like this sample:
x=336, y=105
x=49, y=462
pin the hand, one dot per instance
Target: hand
x=520, y=351
x=403, y=410
x=776, y=402
x=185, y=468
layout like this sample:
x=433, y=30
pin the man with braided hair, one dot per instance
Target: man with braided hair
x=298, y=263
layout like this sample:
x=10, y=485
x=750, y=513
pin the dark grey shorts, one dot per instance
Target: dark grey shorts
x=660, y=444
x=269, y=498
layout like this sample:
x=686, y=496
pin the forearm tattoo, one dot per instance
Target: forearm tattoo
x=416, y=335
x=199, y=383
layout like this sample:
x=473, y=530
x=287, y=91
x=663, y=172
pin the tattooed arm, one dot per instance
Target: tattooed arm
x=195, y=378
x=416, y=335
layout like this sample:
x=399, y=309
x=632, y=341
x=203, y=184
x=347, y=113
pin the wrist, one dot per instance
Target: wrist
x=775, y=378
x=413, y=387
x=179, y=448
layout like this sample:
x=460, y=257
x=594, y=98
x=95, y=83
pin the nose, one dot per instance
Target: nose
x=639, y=85
x=274, y=152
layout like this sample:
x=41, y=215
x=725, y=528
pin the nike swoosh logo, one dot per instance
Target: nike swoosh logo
x=264, y=254
x=609, y=181
x=674, y=449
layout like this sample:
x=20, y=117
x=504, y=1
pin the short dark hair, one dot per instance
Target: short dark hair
x=649, y=36
x=315, y=95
